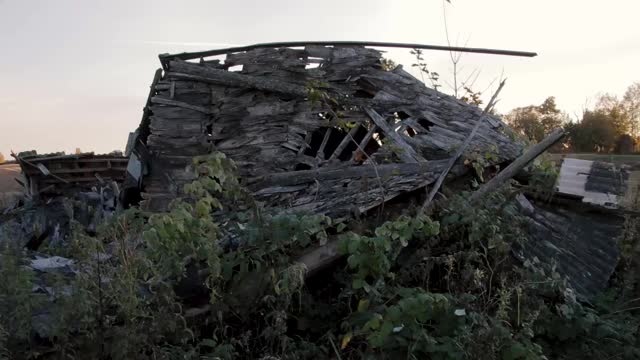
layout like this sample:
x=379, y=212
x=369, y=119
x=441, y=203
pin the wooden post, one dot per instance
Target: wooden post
x=461, y=149
x=513, y=168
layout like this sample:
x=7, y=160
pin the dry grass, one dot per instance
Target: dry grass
x=8, y=173
x=10, y=190
x=8, y=199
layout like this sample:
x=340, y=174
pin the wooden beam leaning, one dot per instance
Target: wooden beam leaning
x=513, y=168
x=365, y=140
x=461, y=149
x=407, y=153
x=345, y=141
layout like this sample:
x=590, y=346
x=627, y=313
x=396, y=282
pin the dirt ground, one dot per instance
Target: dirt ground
x=7, y=174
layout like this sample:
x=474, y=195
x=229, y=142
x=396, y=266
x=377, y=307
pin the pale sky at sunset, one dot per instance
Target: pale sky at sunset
x=77, y=73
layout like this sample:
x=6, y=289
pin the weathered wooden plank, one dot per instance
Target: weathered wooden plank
x=406, y=153
x=178, y=113
x=80, y=170
x=343, y=144
x=298, y=177
x=194, y=72
x=180, y=104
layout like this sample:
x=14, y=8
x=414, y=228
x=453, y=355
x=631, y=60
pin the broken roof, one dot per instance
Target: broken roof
x=328, y=130
x=339, y=131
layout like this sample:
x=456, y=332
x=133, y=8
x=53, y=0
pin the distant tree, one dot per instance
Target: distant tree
x=625, y=144
x=2, y=159
x=631, y=103
x=617, y=113
x=595, y=133
x=535, y=122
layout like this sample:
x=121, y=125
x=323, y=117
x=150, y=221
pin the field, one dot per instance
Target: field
x=7, y=174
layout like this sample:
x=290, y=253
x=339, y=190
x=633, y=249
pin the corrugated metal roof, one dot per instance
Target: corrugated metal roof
x=581, y=245
x=598, y=183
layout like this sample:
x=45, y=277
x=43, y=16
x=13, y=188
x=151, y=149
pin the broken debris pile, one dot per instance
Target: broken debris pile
x=59, y=189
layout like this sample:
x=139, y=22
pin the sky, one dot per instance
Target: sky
x=76, y=73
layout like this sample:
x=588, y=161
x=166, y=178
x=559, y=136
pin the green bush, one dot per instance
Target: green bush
x=175, y=285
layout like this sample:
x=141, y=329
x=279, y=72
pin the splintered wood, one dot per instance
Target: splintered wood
x=318, y=129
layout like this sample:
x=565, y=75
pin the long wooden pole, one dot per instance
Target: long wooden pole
x=515, y=167
x=164, y=58
x=461, y=149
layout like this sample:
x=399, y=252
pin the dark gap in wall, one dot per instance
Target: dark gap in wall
x=425, y=123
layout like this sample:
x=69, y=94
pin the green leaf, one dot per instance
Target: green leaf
x=208, y=343
x=514, y=352
x=386, y=328
x=374, y=323
x=363, y=305
x=345, y=340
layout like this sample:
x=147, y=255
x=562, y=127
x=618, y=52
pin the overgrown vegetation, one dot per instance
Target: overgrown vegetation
x=181, y=285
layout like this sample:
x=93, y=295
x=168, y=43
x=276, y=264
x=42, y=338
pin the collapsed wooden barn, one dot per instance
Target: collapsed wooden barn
x=307, y=137
x=322, y=130
x=327, y=130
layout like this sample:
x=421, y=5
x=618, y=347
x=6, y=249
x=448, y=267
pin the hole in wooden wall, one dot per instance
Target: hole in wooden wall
x=401, y=115
x=342, y=144
x=362, y=94
x=300, y=167
x=316, y=139
x=425, y=123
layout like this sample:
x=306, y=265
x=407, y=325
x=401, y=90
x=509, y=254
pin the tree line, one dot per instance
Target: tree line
x=611, y=126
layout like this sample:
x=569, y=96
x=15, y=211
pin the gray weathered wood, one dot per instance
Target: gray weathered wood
x=406, y=153
x=196, y=55
x=180, y=104
x=462, y=148
x=195, y=72
x=321, y=174
x=345, y=141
